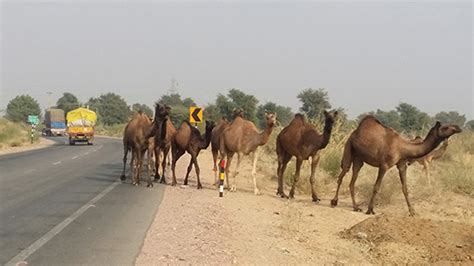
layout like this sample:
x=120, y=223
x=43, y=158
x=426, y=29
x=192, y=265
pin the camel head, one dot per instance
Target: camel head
x=238, y=112
x=270, y=118
x=210, y=125
x=447, y=131
x=161, y=111
x=330, y=116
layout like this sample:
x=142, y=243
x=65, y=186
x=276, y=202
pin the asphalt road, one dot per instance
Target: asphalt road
x=65, y=205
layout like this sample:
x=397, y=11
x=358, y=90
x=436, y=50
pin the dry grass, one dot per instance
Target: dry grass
x=111, y=131
x=14, y=134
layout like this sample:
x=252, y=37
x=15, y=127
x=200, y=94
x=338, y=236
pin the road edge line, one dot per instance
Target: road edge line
x=24, y=254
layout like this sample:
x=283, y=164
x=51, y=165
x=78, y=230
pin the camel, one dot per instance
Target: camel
x=382, y=147
x=243, y=138
x=188, y=139
x=302, y=140
x=426, y=160
x=215, y=140
x=163, y=132
x=135, y=140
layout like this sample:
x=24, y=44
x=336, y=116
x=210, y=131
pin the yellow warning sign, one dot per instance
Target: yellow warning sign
x=195, y=114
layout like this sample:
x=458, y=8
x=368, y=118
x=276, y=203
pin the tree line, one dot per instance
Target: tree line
x=112, y=109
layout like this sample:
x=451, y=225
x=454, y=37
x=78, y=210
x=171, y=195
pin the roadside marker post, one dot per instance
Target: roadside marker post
x=221, y=177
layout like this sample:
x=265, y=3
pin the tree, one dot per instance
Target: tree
x=224, y=106
x=470, y=125
x=68, y=102
x=110, y=108
x=284, y=114
x=21, y=106
x=179, y=107
x=412, y=119
x=246, y=102
x=451, y=117
x=144, y=108
x=314, y=102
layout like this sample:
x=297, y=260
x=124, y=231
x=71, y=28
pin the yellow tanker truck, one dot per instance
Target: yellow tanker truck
x=81, y=125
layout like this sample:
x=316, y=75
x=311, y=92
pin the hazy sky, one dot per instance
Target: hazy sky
x=368, y=55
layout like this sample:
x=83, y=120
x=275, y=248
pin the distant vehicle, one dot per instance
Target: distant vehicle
x=81, y=125
x=55, y=123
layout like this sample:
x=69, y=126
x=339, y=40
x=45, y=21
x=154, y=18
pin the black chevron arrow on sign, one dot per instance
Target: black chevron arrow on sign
x=195, y=115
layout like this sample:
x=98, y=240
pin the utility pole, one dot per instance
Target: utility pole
x=173, y=86
x=49, y=93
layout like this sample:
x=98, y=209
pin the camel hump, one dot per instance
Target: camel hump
x=299, y=116
x=371, y=118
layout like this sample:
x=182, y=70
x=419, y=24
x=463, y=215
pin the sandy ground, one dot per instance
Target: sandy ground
x=197, y=227
x=27, y=146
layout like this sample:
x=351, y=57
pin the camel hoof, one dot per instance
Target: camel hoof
x=356, y=209
x=281, y=194
x=162, y=181
x=370, y=211
x=199, y=186
x=291, y=195
x=135, y=184
x=257, y=192
x=173, y=184
x=412, y=213
x=233, y=189
x=334, y=202
x=149, y=185
x=122, y=177
x=316, y=199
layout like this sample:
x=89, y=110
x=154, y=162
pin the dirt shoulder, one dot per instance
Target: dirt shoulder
x=198, y=227
x=43, y=142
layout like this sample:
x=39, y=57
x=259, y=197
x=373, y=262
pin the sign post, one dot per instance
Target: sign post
x=221, y=177
x=33, y=120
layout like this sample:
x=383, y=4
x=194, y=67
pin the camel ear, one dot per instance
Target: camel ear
x=335, y=113
x=325, y=112
x=438, y=124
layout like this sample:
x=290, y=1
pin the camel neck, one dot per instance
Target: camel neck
x=207, y=139
x=417, y=150
x=265, y=135
x=326, y=134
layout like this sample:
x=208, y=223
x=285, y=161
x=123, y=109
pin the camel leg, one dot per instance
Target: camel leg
x=190, y=167
x=163, y=164
x=196, y=168
x=125, y=152
x=382, y=171
x=402, y=171
x=314, y=164
x=132, y=165
x=344, y=169
x=425, y=169
x=176, y=155
x=236, y=172
x=282, y=163
x=216, y=175
x=357, y=165
x=297, y=176
x=157, y=163
x=230, y=156
x=149, y=167
x=136, y=172
x=254, y=172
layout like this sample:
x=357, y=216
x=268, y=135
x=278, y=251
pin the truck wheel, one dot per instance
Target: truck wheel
x=90, y=143
x=71, y=142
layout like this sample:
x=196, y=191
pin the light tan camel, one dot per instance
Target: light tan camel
x=426, y=160
x=382, y=147
x=302, y=140
x=164, y=131
x=188, y=139
x=215, y=140
x=243, y=138
x=135, y=139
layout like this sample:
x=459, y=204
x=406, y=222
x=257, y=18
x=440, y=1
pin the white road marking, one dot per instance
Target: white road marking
x=56, y=163
x=87, y=153
x=30, y=171
x=58, y=228
x=74, y=157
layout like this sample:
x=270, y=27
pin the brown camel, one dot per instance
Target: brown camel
x=163, y=131
x=243, y=138
x=426, y=160
x=382, y=147
x=302, y=140
x=188, y=139
x=215, y=140
x=135, y=139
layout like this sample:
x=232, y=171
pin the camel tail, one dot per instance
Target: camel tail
x=346, y=161
x=163, y=128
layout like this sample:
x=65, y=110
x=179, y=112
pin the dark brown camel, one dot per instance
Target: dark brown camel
x=243, y=138
x=188, y=139
x=426, y=160
x=215, y=140
x=382, y=147
x=164, y=131
x=302, y=140
x=135, y=139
